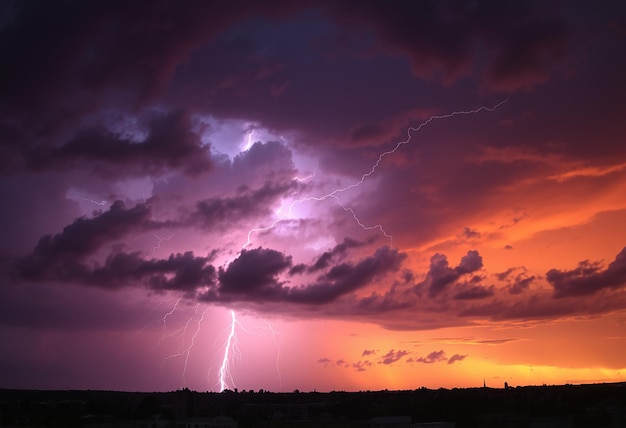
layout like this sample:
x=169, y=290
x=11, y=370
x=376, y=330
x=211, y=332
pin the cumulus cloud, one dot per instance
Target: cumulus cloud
x=361, y=366
x=504, y=275
x=346, y=277
x=469, y=233
x=180, y=272
x=342, y=363
x=324, y=260
x=521, y=283
x=456, y=358
x=516, y=284
x=588, y=278
x=440, y=274
x=217, y=212
x=433, y=357
x=170, y=145
x=64, y=251
x=254, y=274
x=393, y=356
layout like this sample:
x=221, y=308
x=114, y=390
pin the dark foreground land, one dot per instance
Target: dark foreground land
x=598, y=405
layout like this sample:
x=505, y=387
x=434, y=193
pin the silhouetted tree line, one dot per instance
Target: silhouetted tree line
x=596, y=405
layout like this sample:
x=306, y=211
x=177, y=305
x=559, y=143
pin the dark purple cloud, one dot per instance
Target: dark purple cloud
x=64, y=251
x=433, y=357
x=361, y=366
x=179, y=272
x=456, y=358
x=393, y=356
x=254, y=275
x=91, y=49
x=342, y=363
x=504, y=275
x=345, y=278
x=471, y=292
x=469, y=233
x=219, y=212
x=324, y=260
x=169, y=145
x=521, y=283
x=86, y=235
x=440, y=274
x=521, y=41
x=588, y=278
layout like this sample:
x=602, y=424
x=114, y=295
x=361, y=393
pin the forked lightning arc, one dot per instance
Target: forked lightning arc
x=224, y=372
x=226, y=379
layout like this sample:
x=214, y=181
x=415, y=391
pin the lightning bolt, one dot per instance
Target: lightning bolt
x=231, y=341
x=358, y=221
x=185, y=352
x=410, y=131
x=333, y=194
x=170, y=313
x=274, y=333
x=249, y=141
x=152, y=310
x=101, y=203
x=160, y=240
x=224, y=372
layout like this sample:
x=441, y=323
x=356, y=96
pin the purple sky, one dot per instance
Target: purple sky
x=369, y=185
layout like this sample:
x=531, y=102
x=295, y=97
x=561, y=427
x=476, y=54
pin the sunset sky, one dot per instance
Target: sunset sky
x=384, y=195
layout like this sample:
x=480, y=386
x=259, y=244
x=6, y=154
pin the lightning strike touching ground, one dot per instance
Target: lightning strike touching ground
x=224, y=372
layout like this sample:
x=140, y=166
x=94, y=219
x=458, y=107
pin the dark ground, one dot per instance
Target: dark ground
x=597, y=405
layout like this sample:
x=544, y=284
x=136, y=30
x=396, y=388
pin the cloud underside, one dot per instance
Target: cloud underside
x=333, y=282
x=138, y=94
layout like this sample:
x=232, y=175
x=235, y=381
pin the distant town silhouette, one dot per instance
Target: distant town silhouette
x=593, y=405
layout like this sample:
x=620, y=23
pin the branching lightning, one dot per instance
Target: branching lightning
x=160, y=240
x=185, y=352
x=333, y=194
x=231, y=346
x=170, y=313
x=358, y=221
x=101, y=203
x=409, y=132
